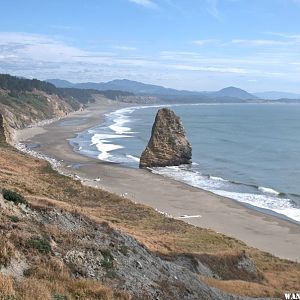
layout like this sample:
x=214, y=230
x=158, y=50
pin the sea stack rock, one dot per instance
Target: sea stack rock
x=168, y=145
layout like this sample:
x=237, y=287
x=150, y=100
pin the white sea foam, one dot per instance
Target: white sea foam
x=218, y=178
x=267, y=200
x=280, y=205
x=133, y=157
x=119, y=118
x=192, y=178
x=120, y=129
x=103, y=144
x=268, y=190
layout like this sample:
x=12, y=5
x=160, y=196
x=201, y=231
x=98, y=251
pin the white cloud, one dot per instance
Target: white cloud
x=37, y=47
x=288, y=37
x=251, y=65
x=259, y=42
x=204, y=42
x=145, y=3
x=39, y=56
x=211, y=69
x=212, y=8
x=125, y=48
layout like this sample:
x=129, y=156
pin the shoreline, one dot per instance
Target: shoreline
x=120, y=129
x=266, y=232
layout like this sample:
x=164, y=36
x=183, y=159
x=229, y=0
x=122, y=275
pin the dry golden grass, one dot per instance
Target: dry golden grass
x=51, y=279
x=6, y=286
x=7, y=251
x=243, y=288
x=43, y=187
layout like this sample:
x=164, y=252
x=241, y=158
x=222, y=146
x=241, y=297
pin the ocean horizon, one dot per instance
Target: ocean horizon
x=246, y=152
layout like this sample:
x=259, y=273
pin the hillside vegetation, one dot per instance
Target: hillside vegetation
x=16, y=85
x=25, y=101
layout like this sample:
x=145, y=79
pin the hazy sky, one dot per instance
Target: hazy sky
x=185, y=44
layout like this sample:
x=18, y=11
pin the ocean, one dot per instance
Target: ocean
x=246, y=152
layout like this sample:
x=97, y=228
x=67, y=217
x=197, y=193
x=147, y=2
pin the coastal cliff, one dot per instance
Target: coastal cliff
x=168, y=145
x=24, y=102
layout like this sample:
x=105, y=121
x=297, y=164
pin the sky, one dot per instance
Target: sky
x=184, y=44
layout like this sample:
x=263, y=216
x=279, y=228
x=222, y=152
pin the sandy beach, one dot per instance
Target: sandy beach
x=268, y=233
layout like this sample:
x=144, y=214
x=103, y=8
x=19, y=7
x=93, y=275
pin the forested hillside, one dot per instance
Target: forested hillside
x=24, y=101
x=27, y=101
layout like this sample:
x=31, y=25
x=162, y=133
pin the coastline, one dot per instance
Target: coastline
x=277, y=236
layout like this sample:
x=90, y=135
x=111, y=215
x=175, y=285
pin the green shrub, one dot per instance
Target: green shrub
x=124, y=250
x=14, y=197
x=40, y=244
x=48, y=169
x=60, y=297
x=107, y=261
x=14, y=219
x=7, y=297
x=108, y=264
x=111, y=274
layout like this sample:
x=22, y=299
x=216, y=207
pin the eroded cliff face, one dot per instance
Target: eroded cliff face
x=26, y=108
x=31, y=107
x=168, y=145
x=2, y=132
x=6, y=132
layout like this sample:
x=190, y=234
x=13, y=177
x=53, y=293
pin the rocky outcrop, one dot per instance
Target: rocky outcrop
x=100, y=252
x=89, y=250
x=168, y=145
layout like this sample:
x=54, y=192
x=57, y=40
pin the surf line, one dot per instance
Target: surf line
x=188, y=217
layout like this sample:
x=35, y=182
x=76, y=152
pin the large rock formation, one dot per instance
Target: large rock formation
x=168, y=145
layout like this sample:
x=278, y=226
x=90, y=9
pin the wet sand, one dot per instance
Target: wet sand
x=269, y=233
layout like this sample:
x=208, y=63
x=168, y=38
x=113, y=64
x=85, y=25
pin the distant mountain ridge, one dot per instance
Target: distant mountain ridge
x=59, y=83
x=273, y=95
x=131, y=86
x=235, y=93
x=140, y=88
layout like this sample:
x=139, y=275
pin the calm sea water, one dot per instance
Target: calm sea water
x=247, y=152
